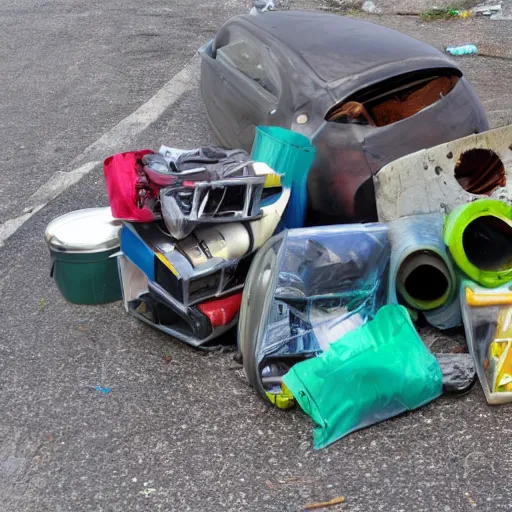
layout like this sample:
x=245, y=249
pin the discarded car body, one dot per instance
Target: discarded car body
x=365, y=95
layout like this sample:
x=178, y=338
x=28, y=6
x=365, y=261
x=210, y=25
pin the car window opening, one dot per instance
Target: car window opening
x=396, y=99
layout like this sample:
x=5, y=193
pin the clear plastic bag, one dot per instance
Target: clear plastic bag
x=305, y=288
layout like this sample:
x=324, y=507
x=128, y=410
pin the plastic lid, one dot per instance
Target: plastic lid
x=89, y=230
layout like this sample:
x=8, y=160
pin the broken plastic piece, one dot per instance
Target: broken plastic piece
x=305, y=288
x=479, y=237
x=467, y=49
x=488, y=298
x=259, y=6
x=104, y=391
x=441, y=178
x=222, y=311
x=149, y=302
x=369, y=375
x=189, y=203
x=489, y=335
x=158, y=257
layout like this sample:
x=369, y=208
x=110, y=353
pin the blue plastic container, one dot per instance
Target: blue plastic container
x=137, y=251
x=291, y=155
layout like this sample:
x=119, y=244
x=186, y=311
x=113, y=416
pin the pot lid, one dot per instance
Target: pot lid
x=88, y=230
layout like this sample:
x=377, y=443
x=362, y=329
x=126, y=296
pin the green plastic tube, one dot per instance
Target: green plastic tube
x=479, y=238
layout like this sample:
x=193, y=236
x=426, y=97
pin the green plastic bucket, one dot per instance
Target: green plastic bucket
x=83, y=245
x=290, y=154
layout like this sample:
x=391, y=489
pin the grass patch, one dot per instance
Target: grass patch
x=447, y=13
x=439, y=13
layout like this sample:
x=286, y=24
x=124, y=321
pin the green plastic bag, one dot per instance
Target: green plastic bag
x=369, y=375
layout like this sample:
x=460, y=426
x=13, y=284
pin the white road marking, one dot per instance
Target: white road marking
x=57, y=183
x=145, y=115
x=107, y=144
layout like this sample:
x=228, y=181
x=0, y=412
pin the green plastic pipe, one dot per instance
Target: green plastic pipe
x=479, y=238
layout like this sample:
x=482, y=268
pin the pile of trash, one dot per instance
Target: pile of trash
x=198, y=241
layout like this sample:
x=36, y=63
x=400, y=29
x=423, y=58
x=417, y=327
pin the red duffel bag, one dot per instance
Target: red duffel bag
x=129, y=191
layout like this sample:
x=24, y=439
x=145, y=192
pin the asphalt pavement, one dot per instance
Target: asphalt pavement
x=80, y=81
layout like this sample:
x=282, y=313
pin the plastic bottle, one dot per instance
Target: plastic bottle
x=467, y=49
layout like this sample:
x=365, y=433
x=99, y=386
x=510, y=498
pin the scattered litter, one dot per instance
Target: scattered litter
x=199, y=240
x=486, y=10
x=325, y=504
x=472, y=502
x=467, y=49
x=260, y=6
x=101, y=389
x=370, y=7
x=147, y=491
x=465, y=14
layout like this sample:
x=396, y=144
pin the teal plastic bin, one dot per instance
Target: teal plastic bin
x=291, y=155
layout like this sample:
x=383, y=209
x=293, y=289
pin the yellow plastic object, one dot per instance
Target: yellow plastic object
x=272, y=178
x=487, y=316
x=283, y=400
x=166, y=262
x=272, y=181
x=499, y=371
x=487, y=299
